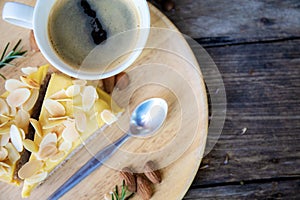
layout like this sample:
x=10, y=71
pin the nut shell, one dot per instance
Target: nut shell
x=129, y=178
x=122, y=80
x=151, y=173
x=144, y=188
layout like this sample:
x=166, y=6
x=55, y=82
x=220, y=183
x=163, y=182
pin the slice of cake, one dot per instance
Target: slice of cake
x=72, y=111
x=21, y=101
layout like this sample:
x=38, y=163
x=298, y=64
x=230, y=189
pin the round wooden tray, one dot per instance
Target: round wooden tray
x=186, y=116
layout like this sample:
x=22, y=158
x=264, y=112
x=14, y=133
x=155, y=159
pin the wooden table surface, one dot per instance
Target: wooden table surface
x=256, y=46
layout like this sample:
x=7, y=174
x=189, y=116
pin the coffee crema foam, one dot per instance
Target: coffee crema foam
x=69, y=31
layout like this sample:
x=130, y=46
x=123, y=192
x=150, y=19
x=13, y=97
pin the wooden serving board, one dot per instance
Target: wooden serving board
x=180, y=83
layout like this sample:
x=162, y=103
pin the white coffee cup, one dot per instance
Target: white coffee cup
x=36, y=18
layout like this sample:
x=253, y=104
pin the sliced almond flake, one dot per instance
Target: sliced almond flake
x=5, y=117
x=4, y=109
x=29, y=82
x=37, y=127
x=5, y=129
x=13, y=154
x=13, y=111
x=47, y=139
x=61, y=94
x=108, y=117
x=4, y=164
x=58, y=156
x=58, y=131
x=80, y=121
x=29, y=104
x=73, y=90
x=29, y=70
x=65, y=146
x=16, y=138
x=4, y=139
x=13, y=84
x=30, y=169
x=22, y=119
x=54, y=108
x=47, y=151
x=22, y=134
x=30, y=146
x=37, y=178
x=52, y=123
x=79, y=82
x=3, y=124
x=17, y=97
x=70, y=134
x=3, y=153
x=58, y=118
x=63, y=100
x=89, y=96
x=3, y=170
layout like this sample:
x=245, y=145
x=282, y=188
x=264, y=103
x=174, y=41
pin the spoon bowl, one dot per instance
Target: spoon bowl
x=148, y=117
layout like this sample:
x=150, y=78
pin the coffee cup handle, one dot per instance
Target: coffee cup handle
x=18, y=14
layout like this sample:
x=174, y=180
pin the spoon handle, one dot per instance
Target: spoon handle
x=95, y=162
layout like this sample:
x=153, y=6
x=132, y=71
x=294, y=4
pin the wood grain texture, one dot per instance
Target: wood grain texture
x=266, y=190
x=262, y=84
x=234, y=21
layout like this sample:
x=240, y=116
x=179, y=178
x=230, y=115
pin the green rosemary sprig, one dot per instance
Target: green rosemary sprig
x=13, y=54
x=116, y=196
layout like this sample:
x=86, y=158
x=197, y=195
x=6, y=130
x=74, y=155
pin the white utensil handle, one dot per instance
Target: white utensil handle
x=18, y=14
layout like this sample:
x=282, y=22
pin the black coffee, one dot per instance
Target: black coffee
x=71, y=28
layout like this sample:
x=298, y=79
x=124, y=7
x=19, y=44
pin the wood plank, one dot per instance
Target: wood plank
x=268, y=190
x=262, y=84
x=224, y=22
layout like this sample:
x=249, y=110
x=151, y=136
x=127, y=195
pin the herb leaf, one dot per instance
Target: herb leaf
x=13, y=54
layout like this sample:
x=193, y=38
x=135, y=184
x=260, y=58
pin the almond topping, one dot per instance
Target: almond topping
x=3, y=153
x=3, y=123
x=30, y=169
x=4, y=139
x=70, y=134
x=73, y=90
x=80, y=121
x=22, y=119
x=13, y=84
x=16, y=138
x=13, y=110
x=4, y=109
x=13, y=154
x=58, y=118
x=17, y=97
x=29, y=70
x=22, y=134
x=30, y=146
x=40, y=176
x=47, y=151
x=89, y=96
x=65, y=146
x=61, y=94
x=37, y=127
x=55, y=108
x=4, y=165
x=50, y=138
x=58, y=156
x=29, y=104
x=29, y=82
x=108, y=117
x=53, y=123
